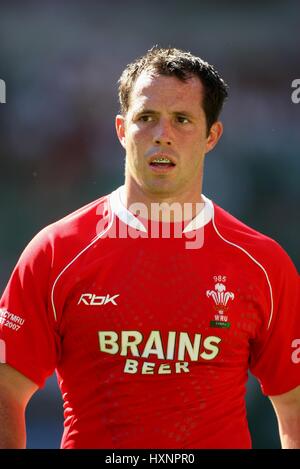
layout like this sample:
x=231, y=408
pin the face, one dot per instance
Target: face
x=165, y=136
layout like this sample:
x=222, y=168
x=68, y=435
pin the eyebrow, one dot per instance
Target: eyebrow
x=145, y=111
x=152, y=112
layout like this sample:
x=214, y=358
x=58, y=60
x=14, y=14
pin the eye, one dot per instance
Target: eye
x=182, y=119
x=145, y=118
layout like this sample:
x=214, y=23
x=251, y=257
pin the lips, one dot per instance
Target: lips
x=161, y=164
x=162, y=160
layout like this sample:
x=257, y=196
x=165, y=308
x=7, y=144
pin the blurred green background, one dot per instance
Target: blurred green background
x=58, y=148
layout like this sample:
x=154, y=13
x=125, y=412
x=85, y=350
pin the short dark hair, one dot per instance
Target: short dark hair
x=183, y=65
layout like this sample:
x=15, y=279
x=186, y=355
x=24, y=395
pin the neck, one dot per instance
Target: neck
x=159, y=206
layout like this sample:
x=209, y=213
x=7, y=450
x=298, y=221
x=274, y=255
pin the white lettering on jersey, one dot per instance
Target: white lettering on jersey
x=108, y=342
x=130, y=340
x=154, y=346
x=90, y=299
x=210, y=343
x=148, y=368
x=129, y=343
x=171, y=345
x=186, y=345
x=12, y=321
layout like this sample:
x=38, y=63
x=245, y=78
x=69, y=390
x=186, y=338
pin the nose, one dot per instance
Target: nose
x=163, y=133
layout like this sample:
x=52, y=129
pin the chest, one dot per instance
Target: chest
x=161, y=301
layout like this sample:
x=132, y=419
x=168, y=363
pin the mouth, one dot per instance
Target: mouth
x=161, y=162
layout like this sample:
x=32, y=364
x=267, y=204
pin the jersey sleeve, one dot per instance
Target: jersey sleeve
x=275, y=356
x=28, y=337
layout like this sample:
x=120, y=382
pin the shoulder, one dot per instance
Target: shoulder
x=263, y=249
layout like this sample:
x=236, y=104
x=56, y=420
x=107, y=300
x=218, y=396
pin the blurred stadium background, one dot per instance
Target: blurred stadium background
x=58, y=149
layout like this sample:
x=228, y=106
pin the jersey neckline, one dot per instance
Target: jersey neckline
x=118, y=208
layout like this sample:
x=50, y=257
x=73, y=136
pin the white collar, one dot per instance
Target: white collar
x=119, y=209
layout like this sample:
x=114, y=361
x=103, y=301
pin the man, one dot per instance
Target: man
x=151, y=334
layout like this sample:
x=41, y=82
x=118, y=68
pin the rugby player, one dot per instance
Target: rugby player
x=152, y=302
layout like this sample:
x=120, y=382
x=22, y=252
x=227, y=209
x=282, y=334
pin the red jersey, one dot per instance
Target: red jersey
x=152, y=340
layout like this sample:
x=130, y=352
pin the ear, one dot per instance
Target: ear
x=214, y=135
x=120, y=128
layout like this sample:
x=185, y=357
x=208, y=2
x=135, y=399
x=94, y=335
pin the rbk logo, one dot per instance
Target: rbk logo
x=90, y=299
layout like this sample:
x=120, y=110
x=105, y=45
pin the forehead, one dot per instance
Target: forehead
x=158, y=90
